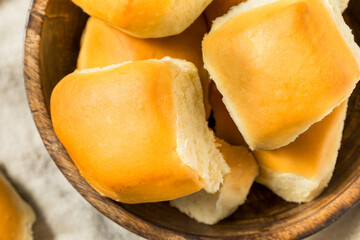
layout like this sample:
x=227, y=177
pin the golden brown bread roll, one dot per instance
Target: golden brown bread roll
x=16, y=216
x=103, y=45
x=272, y=61
x=211, y=208
x=137, y=131
x=146, y=18
x=300, y=171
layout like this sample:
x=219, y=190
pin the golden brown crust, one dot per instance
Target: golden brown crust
x=305, y=157
x=103, y=45
x=220, y=7
x=286, y=65
x=308, y=155
x=16, y=216
x=300, y=171
x=119, y=127
x=146, y=19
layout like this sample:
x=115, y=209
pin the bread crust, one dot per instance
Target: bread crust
x=219, y=8
x=300, y=171
x=17, y=217
x=268, y=92
x=119, y=125
x=144, y=18
x=102, y=45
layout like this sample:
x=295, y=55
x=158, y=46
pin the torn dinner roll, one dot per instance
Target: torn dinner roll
x=211, y=208
x=219, y=8
x=137, y=132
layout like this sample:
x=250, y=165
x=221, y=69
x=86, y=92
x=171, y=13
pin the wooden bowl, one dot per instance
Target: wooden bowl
x=51, y=47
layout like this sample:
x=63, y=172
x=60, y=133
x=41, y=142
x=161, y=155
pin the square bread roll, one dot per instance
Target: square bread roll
x=137, y=131
x=300, y=171
x=281, y=66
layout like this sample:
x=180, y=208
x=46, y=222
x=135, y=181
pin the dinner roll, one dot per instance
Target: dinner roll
x=275, y=65
x=103, y=45
x=225, y=127
x=300, y=171
x=211, y=208
x=136, y=130
x=146, y=18
x=17, y=217
x=220, y=7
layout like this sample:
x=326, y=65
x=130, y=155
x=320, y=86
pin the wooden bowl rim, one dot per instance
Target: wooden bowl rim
x=331, y=212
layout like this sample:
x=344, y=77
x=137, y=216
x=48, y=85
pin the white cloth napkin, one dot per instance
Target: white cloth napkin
x=62, y=214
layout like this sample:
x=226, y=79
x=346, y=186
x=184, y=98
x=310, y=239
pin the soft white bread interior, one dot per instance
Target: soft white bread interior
x=300, y=171
x=343, y=4
x=137, y=131
x=103, y=45
x=16, y=216
x=144, y=18
x=211, y=208
x=272, y=59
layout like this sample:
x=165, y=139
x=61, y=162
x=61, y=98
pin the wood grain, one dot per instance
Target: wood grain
x=52, y=42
